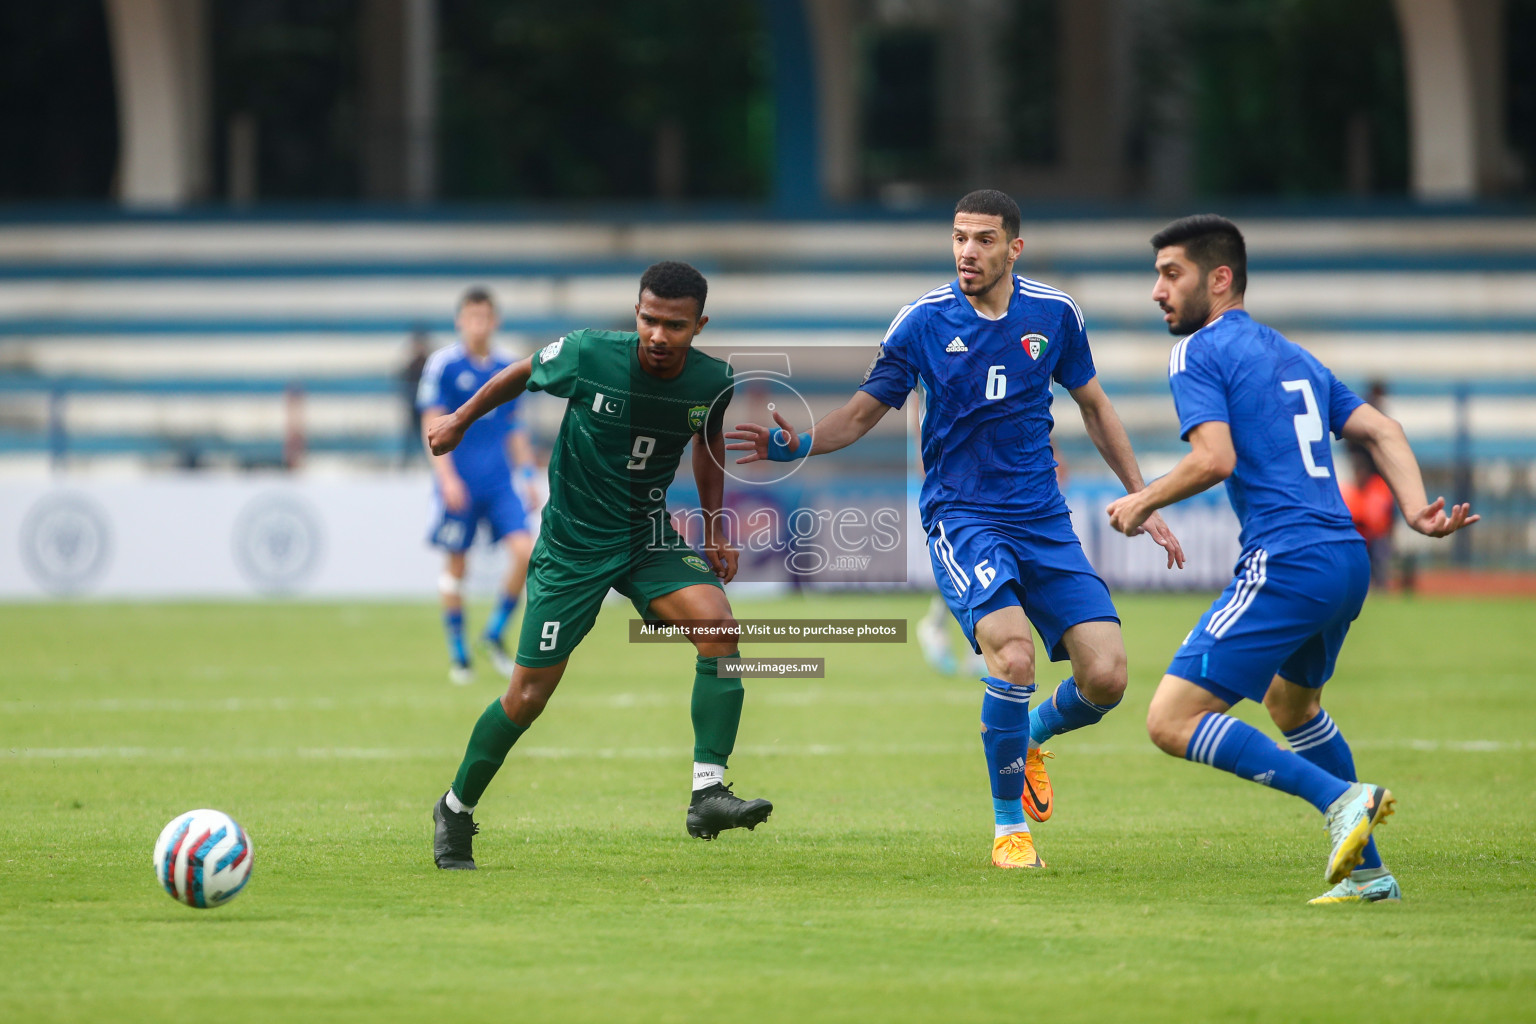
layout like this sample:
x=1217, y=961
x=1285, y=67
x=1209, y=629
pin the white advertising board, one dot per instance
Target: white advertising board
x=214, y=536
x=206, y=535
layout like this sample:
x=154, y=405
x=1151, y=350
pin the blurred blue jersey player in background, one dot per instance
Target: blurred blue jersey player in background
x=473, y=484
x=984, y=349
x=1257, y=410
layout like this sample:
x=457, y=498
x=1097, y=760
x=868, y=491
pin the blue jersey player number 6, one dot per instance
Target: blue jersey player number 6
x=984, y=350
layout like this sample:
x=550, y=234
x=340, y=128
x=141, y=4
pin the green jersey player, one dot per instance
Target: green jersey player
x=634, y=402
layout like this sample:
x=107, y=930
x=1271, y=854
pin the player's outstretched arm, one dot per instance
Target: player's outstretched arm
x=1383, y=437
x=445, y=432
x=1114, y=444
x=1211, y=460
x=838, y=429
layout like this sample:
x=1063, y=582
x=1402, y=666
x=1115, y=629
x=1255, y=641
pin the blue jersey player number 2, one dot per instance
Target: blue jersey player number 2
x=1257, y=410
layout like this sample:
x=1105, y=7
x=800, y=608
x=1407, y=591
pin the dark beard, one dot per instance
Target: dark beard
x=1194, y=316
x=988, y=286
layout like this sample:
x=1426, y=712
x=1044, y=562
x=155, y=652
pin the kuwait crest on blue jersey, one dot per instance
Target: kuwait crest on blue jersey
x=1035, y=344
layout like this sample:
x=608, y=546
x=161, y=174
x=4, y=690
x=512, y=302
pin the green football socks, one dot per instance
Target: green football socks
x=488, y=746
x=716, y=710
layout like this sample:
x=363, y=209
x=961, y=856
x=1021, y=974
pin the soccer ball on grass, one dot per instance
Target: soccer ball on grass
x=203, y=859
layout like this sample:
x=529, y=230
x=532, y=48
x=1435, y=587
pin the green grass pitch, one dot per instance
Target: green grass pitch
x=1175, y=892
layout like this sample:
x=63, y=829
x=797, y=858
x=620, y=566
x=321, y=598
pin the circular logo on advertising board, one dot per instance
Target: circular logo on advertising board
x=277, y=543
x=66, y=543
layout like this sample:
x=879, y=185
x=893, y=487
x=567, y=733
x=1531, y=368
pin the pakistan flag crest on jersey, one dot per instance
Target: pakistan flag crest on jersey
x=696, y=416
x=1035, y=344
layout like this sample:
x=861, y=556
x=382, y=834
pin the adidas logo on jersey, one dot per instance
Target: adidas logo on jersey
x=1013, y=769
x=957, y=346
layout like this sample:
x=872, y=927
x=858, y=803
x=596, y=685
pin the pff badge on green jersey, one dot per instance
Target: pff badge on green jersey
x=696, y=417
x=694, y=561
x=1035, y=344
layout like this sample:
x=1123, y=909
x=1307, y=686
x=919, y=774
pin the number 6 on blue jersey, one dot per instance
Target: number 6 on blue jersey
x=997, y=382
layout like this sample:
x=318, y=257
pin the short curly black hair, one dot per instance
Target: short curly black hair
x=671, y=279
x=989, y=202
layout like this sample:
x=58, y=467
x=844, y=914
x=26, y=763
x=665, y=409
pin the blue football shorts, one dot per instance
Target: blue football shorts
x=982, y=565
x=500, y=509
x=1285, y=614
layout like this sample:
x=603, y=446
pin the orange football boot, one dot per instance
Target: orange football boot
x=1038, y=799
x=1015, y=850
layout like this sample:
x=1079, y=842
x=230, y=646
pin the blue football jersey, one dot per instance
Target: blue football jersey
x=1280, y=404
x=450, y=377
x=986, y=430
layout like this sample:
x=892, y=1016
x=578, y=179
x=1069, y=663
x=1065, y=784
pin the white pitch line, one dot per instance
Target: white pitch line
x=764, y=693
x=176, y=705
x=662, y=753
x=445, y=702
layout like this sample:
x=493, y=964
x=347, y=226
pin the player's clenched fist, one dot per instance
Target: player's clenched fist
x=444, y=434
x=723, y=559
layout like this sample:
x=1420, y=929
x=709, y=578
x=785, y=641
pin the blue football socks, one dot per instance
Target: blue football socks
x=1005, y=740
x=453, y=627
x=1224, y=742
x=501, y=616
x=1320, y=742
x=1008, y=813
x=1067, y=709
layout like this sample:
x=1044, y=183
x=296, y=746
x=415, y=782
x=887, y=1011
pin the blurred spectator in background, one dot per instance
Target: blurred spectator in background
x=1373, y=509
x=1370, y=500
x=417, y=351
x=1376, y=395
x=295, y=437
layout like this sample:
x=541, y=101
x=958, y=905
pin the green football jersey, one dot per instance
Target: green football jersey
x=622, y=436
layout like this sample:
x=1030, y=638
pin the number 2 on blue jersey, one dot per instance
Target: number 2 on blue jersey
x=1309, y=425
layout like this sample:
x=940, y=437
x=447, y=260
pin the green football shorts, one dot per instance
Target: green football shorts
x=565, y=593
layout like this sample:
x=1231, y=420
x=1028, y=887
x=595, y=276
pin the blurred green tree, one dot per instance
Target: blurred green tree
x=1298, y=97
x=605, y=100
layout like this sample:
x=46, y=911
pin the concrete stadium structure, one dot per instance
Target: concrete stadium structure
x=193, y=330
x=131, y=345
